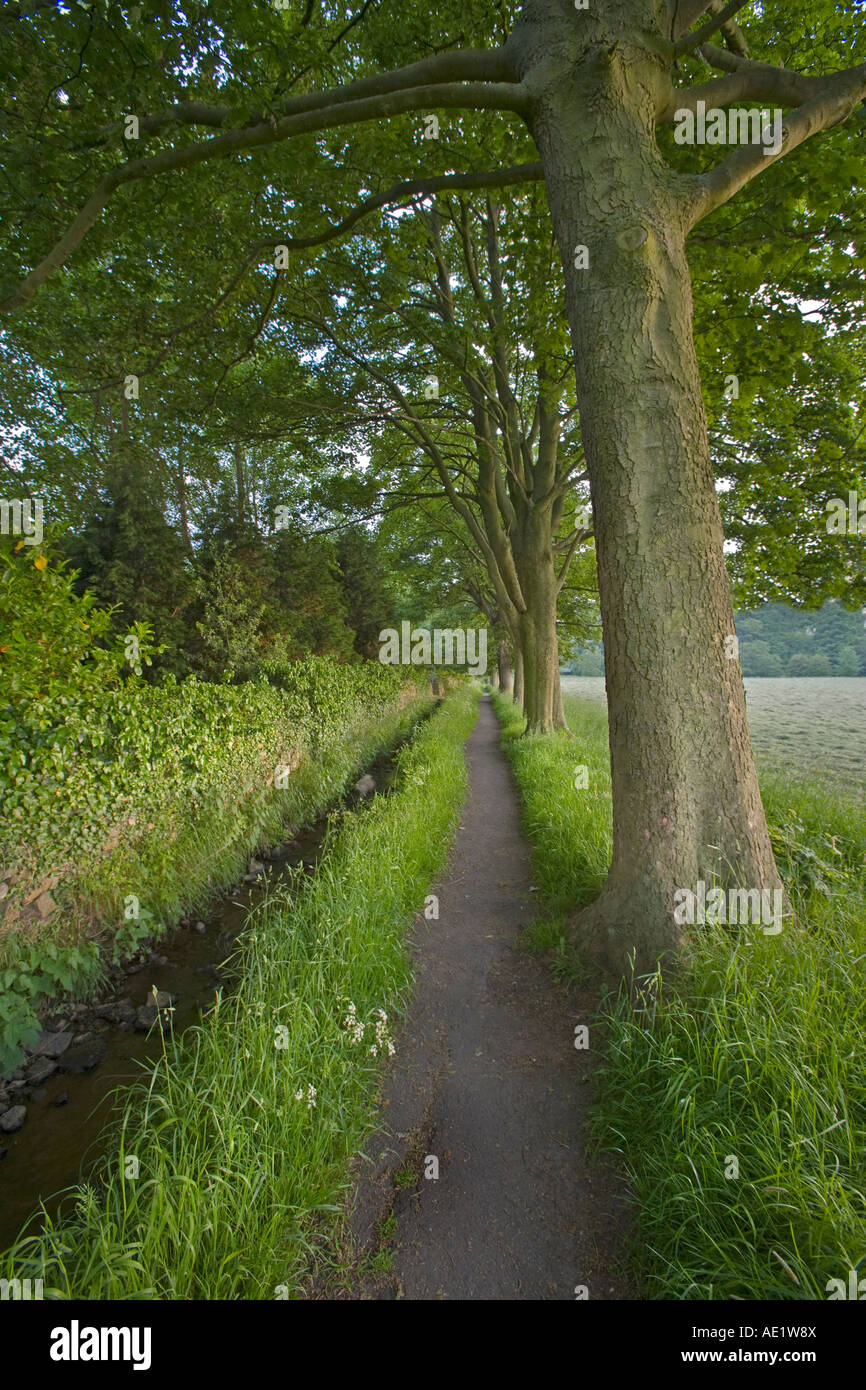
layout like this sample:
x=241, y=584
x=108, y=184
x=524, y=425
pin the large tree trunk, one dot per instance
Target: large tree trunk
x=537, y=625
x=505, y=673
x=517, y=692
x=558, y=711
x=542, y=699
x=686, y=804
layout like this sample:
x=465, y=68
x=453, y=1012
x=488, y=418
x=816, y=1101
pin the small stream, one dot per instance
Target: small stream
x=64, y=1130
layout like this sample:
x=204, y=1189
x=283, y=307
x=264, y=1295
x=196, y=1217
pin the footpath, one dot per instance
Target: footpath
x=488, y=1089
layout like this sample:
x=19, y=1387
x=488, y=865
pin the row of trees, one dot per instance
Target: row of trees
x=487, y=324
x=222, y=600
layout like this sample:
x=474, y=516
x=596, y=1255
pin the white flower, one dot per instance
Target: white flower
x=357, y=1029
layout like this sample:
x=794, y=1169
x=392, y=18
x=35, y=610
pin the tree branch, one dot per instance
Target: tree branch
x=577, y=539
x=461, y=65
x=732, y=33
x=683, y=14
x=689, y=42
x=469, y=96
x=836, y=98
x=414, y=188
x=749, y=81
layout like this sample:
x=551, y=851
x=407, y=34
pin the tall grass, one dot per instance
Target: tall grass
x=569, y=830
x=197, y=841
x=737, y=1098
x=238, y=1179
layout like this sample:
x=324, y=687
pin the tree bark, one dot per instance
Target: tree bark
x=686, y=804
x=559, y=720
x=240, y=484
x=505, y=673
x=532, y=540
x=517, y=692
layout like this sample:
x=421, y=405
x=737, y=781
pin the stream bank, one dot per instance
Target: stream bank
x=243, y=1131
x=57, y=1104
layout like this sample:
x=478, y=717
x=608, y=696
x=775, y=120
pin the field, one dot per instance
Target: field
x=812, y=726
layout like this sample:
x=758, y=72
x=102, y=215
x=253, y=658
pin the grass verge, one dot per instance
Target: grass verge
x=230, y=1159
x=195, y=845
x=737, y=1100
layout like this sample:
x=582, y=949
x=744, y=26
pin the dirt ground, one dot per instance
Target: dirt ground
x=488, y=1082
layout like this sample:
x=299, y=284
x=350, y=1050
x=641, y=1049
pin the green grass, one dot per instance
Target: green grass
x=754, y=1063
x=238, y=1181
x=191, y=849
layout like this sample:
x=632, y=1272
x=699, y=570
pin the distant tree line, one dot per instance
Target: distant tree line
x=588, y=661
x=776, y=640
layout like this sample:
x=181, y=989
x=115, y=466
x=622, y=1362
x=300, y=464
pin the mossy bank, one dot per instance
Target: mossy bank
x=229, y=1163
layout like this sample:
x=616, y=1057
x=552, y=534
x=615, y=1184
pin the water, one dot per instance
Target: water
x=57, y=1144
x=812, y=726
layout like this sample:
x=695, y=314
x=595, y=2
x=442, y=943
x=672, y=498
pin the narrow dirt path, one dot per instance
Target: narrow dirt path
x=487, y=1080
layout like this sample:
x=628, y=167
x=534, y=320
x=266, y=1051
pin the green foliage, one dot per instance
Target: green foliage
x=230, y=627
x=369, y=605
x=813, y=664
x=219, y=1124
x=757, y=1051
x=112, y=787
x=217, y=608
x=778, y=640
x=130, y=556
x=52, y=643
x=85, y=751
x=308, y=596
x=42, y=969
x=589, y=661
x=847, y=661
x=757, y=658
